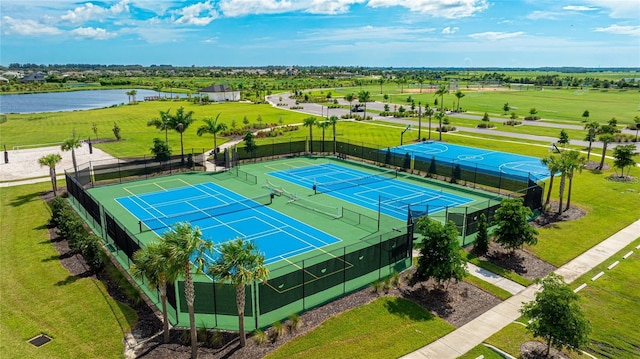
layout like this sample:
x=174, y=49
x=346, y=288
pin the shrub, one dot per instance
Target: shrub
x=485, y=125
x=294, y=322
x=446, y=128
x=513, y=122
x=376, y=286
x=277, y=330
x=259, y=337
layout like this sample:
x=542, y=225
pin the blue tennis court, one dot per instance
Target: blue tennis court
x=223, y=215
x=502, y=162
x=372, y=191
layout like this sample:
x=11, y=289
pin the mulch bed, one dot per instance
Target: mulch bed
x=456, y=303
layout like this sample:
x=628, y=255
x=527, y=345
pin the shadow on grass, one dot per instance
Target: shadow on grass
x=73, y=278
x=407, y=309
x=24, y=199
x=58, y=257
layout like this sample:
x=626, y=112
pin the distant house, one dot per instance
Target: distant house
x=35, y=77
x=220, y=93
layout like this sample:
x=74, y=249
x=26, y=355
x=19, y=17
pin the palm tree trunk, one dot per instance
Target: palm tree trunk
x=240, y=300
x=75, y=163
x=440, y=128
x=569, y=191
x=334, y=139
x=189, y=294
x=54, y=184
x=181, y=149
x=562, y=181
x=166, y=136
x=589, y=149
x=310, y=138
x=165, y=318
x=604, y=152
x=546, y=203
x=364, y=115
x=429, y=126
x=548, y=346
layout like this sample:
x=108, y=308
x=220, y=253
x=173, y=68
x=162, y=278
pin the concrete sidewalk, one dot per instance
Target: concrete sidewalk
x=475, y=332
x=499, y=281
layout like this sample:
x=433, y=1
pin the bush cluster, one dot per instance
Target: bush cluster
x=446, y=128
x=513, y=122
x=71, y=228
x=275, y=132
x=532, y=118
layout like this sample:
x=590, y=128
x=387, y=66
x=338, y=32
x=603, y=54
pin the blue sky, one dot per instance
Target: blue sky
x=398, y=33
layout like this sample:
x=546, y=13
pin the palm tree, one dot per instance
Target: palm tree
x=51, y=161
x=440, y=116
x=310, y=122
x=636, y=120
x=241, y=264
x=459, y=94
x=71, y=144
x=381, y=82
x=133, y=95
x=163, y=123
x=179, y=122
x=401, y=81
x=364, y=97
x=333, y=121
x=428, y=111
x=181, y=244
x=553, y=164
x=323, y=125
x=150, y=263
x=211, y=126
x=441, y=92
x=592, y=127
x=605, y=138
x=420, y=81
x=573, y=161
x=350, y=97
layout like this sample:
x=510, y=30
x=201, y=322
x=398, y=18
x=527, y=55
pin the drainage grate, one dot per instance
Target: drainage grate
x=39, y=340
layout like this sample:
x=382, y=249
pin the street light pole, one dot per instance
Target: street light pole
x=419, y=119
x=402, y=134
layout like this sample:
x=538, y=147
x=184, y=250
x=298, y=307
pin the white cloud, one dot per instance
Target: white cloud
x=27, y=27
x=437, y=8
x=234, y=8
x=579, y=8
x=89, y=11
x=93, y=33
x=493, y=35
x=618, y=8
x=450, y=30
x=544, y=15
x=197, y=14
x=84, y=13
x=619, y=30
x=331, y=7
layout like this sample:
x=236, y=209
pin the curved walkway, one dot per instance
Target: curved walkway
x=476, y=331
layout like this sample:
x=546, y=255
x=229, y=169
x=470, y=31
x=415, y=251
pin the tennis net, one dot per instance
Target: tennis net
x=358, y=181
x=161, y=222
x=334, y=212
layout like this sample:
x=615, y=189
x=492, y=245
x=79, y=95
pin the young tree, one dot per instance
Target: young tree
x=51, y=161
x=310, y=122
x=585, y=116
x=440, y=256
x=442, y=90
x=459, y=94
x=163, y=123
x=333, y=121
x=250, y=143
x=506, y=108
x=440, y=116
x=572, y=161
x=623, y=157
x=605, y=138
x=482, y=237
x=116, y=131
x=636, y=121
x=555, y=315
x=512, y=228
x=364, y=97
x=160, y=150
x=563, y=139
x=181, y=244
x=150, y=263
x=70, y=144
x=241, y=264
x=428, y=111
x=553, y=164
x=592, y=128
x=213, y=127
x=94, y=128
x=180, y=122
x=350, y=97
x=323, y=125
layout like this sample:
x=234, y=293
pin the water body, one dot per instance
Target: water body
x=71, y=101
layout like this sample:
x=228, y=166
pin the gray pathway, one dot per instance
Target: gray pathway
x=475, y=332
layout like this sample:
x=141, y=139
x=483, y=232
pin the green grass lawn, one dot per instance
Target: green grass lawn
x=39, y=296
x=385, y=328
